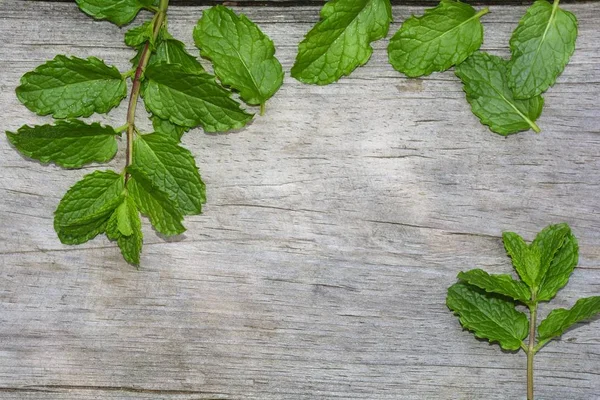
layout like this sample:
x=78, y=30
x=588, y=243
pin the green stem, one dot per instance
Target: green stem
x=262, y=109
x=159, y=19
x=531, y=349
x=482, y=13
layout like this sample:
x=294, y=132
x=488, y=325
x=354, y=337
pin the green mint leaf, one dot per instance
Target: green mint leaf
x=86, y=207
x=486, y=85
x=166, y=127
x=72, y=87
x=525, y=259
x=172, y=51
x=243, y=56
x=125, y=227
x=488, y=317
x=171, y=169
x=499, y=284
x=541, y=47
x=562, y=265
x=559, y=320
x=163, y=213
x=70, y=144
x=341, y=41
x=445, y=36
x=190, y=100
x=548, y=242
x=139, y=35
x=120, y=12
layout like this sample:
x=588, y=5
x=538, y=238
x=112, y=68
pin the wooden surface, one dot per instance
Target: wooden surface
x=333, y=227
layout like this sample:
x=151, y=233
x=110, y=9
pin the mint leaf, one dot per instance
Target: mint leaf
x=445, y=36
x=171, y=169
x=72, y=87
x=243, y=56
x=163, y=213
x=340, y=42
x=125, y=227
x=190, y=100
x=70, y=144
x=119, y=12
x=487, y=316
x=500, y=284
x=486, y=85
x=525, y=259
x=172, y=51
x=541, y=47
x=166, y=127
x=85, y=209
x=559, y=320
x=139, y=35
x=557, y=275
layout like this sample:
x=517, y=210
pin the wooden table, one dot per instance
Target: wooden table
x=334, y=225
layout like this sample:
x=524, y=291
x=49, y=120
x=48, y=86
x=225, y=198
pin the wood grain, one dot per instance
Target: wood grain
x=333, y=227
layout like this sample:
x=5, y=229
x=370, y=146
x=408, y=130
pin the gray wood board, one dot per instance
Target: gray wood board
x=333, y=227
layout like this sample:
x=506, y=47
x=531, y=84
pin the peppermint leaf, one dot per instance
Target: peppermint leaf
x=190, y=100
x=83, y=212
x=525, y=259
x=172, y=51
x=72, y=87
x=166, y=127
x=485, y=83
x=559, y=320
x=171, y=169
x=119, y=12
x=541, y=47
x=340, y=42
x=125, y=227
x=488, y=317
x=139, y=35
x=163, y=213
x=445, y=36
x=243, y=56
x=500, y=284
x=70, y=144
x=563, y=262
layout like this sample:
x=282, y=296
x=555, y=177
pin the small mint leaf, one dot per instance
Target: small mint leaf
x=189, y=100
x=119, y=12
x=541, y=47
x=341, y=41
x=500, y=284
x=167, y=128
x=445, y=36
x=139, y=35
x=70, y=144
x=171, y=169
x=72, y=87
x=485, y=83
x=525, y=259
x=242, y=55
x=559, y=320
x=172, y=51
x=125, y=227
x=557, y=275
x=487, y=316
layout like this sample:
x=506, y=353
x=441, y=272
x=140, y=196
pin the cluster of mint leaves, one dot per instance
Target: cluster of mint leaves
x=160, y=179
x=486, y=303
x=504, y=94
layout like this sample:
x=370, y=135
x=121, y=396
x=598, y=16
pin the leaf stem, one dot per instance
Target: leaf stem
x=159, y=19
x=482, y=12
x=262, y=109
x=531, y=349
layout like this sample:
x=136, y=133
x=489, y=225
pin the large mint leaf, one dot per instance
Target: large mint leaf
x=445, y=36
x=557, y=275
x=486, y=85
x=163, y=213
x=341, y=41
x=119, y=12
x=190, y=100
x=86, y=207
x=525, y=259
x=487, y=316
x=171, y=169
x=172, y=51
x=500, y=284
x=72, y=87
x=242, y=55
x=70, y=144
x=541, y=47
x=559, y=320
x=125, y=227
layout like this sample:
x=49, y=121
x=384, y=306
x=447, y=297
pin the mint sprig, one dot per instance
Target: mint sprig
x=486, y=303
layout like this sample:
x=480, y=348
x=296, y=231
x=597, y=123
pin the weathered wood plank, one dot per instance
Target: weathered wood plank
x=333, y=226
